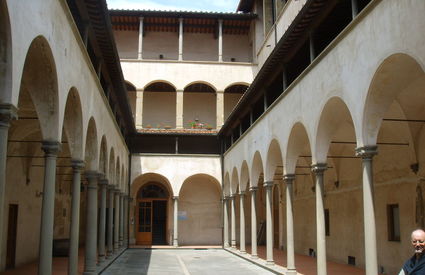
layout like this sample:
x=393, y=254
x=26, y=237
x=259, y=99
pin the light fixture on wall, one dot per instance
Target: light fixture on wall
x=161, y=56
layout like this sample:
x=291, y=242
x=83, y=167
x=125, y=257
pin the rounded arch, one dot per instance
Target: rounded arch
x=103, y=157
x=91, y=149
x=143, y=179
x=234, y=183
x=73, y=124
x=39, y=80
x=200, y=200
x=200, y=87
x=298, y=144
x=334, y=117
x=5, y=54
x=156, y=85
x=397, y=72
x=274, y=160
x=159, y=105
x=256, y=169
x=236, y=88
x=130, y=86
x=244, y=176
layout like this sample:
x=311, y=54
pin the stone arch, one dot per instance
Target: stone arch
x=172, y=87
x=298, y=144
x=73, y=124
x=274, y=160
x=141, y=180
x=5, y=54
x=335, y=116
x=39, y=81
x=256, y=169
x=91, y=152
x=232, y=95
x=199, y=104
x=390, y=82
x=159, y=105
x=244, y=176
x=199, y=198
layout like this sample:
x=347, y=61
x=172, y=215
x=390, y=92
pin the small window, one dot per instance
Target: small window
x=393, y=218
x=327, y=226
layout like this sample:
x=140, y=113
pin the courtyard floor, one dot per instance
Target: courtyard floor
x=195, y=259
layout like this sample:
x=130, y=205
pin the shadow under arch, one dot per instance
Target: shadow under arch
x=5, y=54
x=199, y=220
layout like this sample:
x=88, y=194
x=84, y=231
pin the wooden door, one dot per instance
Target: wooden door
x=12, y=230
x=144, y=222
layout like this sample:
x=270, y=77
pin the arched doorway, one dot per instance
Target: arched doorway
x=151, y=214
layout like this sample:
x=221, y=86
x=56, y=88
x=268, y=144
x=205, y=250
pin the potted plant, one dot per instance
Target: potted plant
x=166, y=126
x=148, y=126
x=208, y=127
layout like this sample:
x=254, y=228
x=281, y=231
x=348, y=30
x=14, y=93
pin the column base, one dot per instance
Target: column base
x=254, y=257
x=226, y=245
x=291, y=272
x=101, y=258
x=175, y=243
x=242, y=252
x=269, y=262
x=89, y=273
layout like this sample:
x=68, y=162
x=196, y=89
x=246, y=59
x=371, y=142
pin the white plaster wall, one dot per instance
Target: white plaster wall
x=200, y=198
x=230, y=101
x=237, y=47
x=181, y=74
x=200, y=47
x=159, y=108
x=350, y=64
x=176, y=169
x=200, y=106
x=165, y=43
x=127, y=43
x=71, y=62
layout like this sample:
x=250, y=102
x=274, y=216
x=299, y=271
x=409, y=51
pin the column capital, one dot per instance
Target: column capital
x=175, y=197
x=242, y=193
x=220, y=92
x=268, y=184
x=181, y=20
x=103, y=182
x=116, y=190
x=319, y=168
x=91, y=174
x=367, y=152
x=111, y=187
x=141, y=18
x=8, y=112
x=122, y=194
x=253, y=188
x=51, y=148
x=289, y=178
x=232, y=196
x=77, y=164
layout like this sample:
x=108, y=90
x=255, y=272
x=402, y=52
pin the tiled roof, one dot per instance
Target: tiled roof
x=178, y=131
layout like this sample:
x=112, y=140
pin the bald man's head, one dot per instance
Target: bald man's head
x=418, y=241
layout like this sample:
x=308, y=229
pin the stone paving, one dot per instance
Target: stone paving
x=181, y=261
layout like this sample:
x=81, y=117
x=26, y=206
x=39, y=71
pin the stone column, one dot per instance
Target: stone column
x=220, y=40
x=268, y=185
x=290, y=251
x=140, y=46
x=74, y=231
x=226, y=222
x=116, y=219
x=371, y=258
x=103, y=183
x=281, y=218
x=8, y=112
x=121, y=233
x=51, y=150
x=180, y=39
x=139, y=109
x=232, y=222
x=179, y=109
x=176, y=222
x=126, y=222
x=253, y=190
x=110, y=237
x=242, y=221
x=91, y=223
x=319, y=169
x=220, y=109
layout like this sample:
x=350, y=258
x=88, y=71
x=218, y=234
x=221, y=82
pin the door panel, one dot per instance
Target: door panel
x=144, y=225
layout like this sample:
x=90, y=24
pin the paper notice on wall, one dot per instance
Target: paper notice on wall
x=182, y=215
